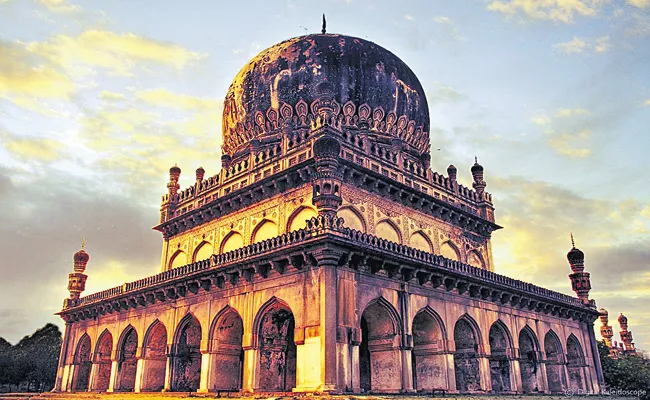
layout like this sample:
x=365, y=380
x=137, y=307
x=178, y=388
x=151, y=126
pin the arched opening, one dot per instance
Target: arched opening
x=352, y=219
x=420, y=241
x=82, y=364
x=379, y=358
x=227, y=353
x=202, y=252
x=300, y=217
x=468, y=378
x=475, y=259
x=264, y=230
x=555, y=375
x=127, y=361
x=186, y=371
x=389, y=231
x=428, y=355
x=103, y=361
x=575, y=363
x=449, y=250
x=232, y=241
x=277, y=368
x=528, y=360
x=499, y=358
x=178, y=260
x=155, y=358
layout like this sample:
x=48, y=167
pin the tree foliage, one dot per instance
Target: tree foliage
x=628, y=373
x=32, y=362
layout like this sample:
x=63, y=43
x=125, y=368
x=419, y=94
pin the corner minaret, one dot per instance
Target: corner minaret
x=626, y=336
x=77, y=279
x=170, y=200
x=605, y=329
x=477, y=173
x=327, y=180
x=580, y=282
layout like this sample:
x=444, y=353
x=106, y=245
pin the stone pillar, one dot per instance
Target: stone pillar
x=309, y=359
x=542, y=378
x=327, y=264
x=407, y=370
x=168, y=371
x=112, y=382
x=406, y=346
x=58, y=384
x=451, y=371
x=206, y=364
x=94, y=370
x=484, y=372
x=139, y=374
x=516, y=375
x=250, y=367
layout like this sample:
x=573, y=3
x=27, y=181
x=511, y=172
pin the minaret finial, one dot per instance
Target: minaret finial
x=573, y=243
x=83, y=243
x=324, y=30
x=476, y=159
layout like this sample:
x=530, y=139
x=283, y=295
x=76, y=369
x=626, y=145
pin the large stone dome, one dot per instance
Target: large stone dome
x=285, y=81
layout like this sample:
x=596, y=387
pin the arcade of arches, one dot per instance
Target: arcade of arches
x=421, y=356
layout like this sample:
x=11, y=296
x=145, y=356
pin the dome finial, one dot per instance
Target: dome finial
x=573, y=243
x=83, y=243
x=324, y=30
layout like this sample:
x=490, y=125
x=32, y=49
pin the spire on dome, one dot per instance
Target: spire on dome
x=324, y=30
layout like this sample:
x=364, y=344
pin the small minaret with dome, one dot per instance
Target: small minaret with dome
x=580, y=282
x=626, y=336
x=77, y=279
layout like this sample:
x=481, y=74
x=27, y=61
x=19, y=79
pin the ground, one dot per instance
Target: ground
x=288, y=396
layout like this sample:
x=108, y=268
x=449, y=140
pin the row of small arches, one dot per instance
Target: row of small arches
x=385, y=229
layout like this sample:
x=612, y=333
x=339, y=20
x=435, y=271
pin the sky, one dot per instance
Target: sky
x=99, y=99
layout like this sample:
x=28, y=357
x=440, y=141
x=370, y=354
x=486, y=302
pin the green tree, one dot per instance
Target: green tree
x=625, y=373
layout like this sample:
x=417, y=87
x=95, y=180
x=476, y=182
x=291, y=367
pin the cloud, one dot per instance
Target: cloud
x=119, y=54
x=34, y=149
x=24, y=73
x=409, y=17
x=445, y=94
x=646, y=103
x=111, y=96
x=643, y=4
x=448, y=29
x=60, y=6
x=552, y=10
x=566, y=132
x=39, y=254
x=578, y=45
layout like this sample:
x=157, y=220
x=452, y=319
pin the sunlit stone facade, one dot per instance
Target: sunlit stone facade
x=326, y=256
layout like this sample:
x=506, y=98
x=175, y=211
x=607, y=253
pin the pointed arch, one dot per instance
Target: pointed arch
x=103, y=359
x=299, y=217
x=186, y=371
x=352, y=218
x=232, y=241
x=83, y=363
x=467, y=338
x=271, y=303
x=429, y=350
x=154, y=352
x=265, y=229
x=274, y=328
x=127, y=361
x=225, y=339
x=178, y=259
x=500, y=347
x=387, y=229
x=555, y=365
x=575, y=362
x=449, y=250
x=419, y=240
x=203, y=251
x=221, y=315
x=529, y=360
x=389, y=309
x=475, y=258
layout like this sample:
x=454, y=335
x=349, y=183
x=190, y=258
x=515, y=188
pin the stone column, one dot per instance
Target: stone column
x=484, y=372
x=168, y=370
x=62, y=359
x=112, y=381
x=139, y=374
x=516, y=374
x=206, y=367
x=251, y=355
x=94, y=370
x=327, y=263
x=451, y=368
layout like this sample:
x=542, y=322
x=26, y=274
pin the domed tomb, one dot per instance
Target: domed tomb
x=364, y=86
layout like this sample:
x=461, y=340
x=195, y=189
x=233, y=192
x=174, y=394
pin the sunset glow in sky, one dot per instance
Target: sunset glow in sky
x=552, y=96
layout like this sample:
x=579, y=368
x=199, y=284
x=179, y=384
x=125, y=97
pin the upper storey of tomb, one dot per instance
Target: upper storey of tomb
x=365, y=86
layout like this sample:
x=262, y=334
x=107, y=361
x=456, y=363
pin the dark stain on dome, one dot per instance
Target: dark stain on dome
x=352, y=69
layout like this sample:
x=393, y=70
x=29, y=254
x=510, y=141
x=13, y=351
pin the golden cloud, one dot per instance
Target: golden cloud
x=564, y=133
x=165, y=98
x=118, y=53
x=34, y=149
x=111, y=96
x=643, y=4
x=552, y=10
x=578, y=45
x=60, y=6
x=23, y=73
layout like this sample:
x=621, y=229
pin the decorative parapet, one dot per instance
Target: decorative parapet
x=426, y=266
